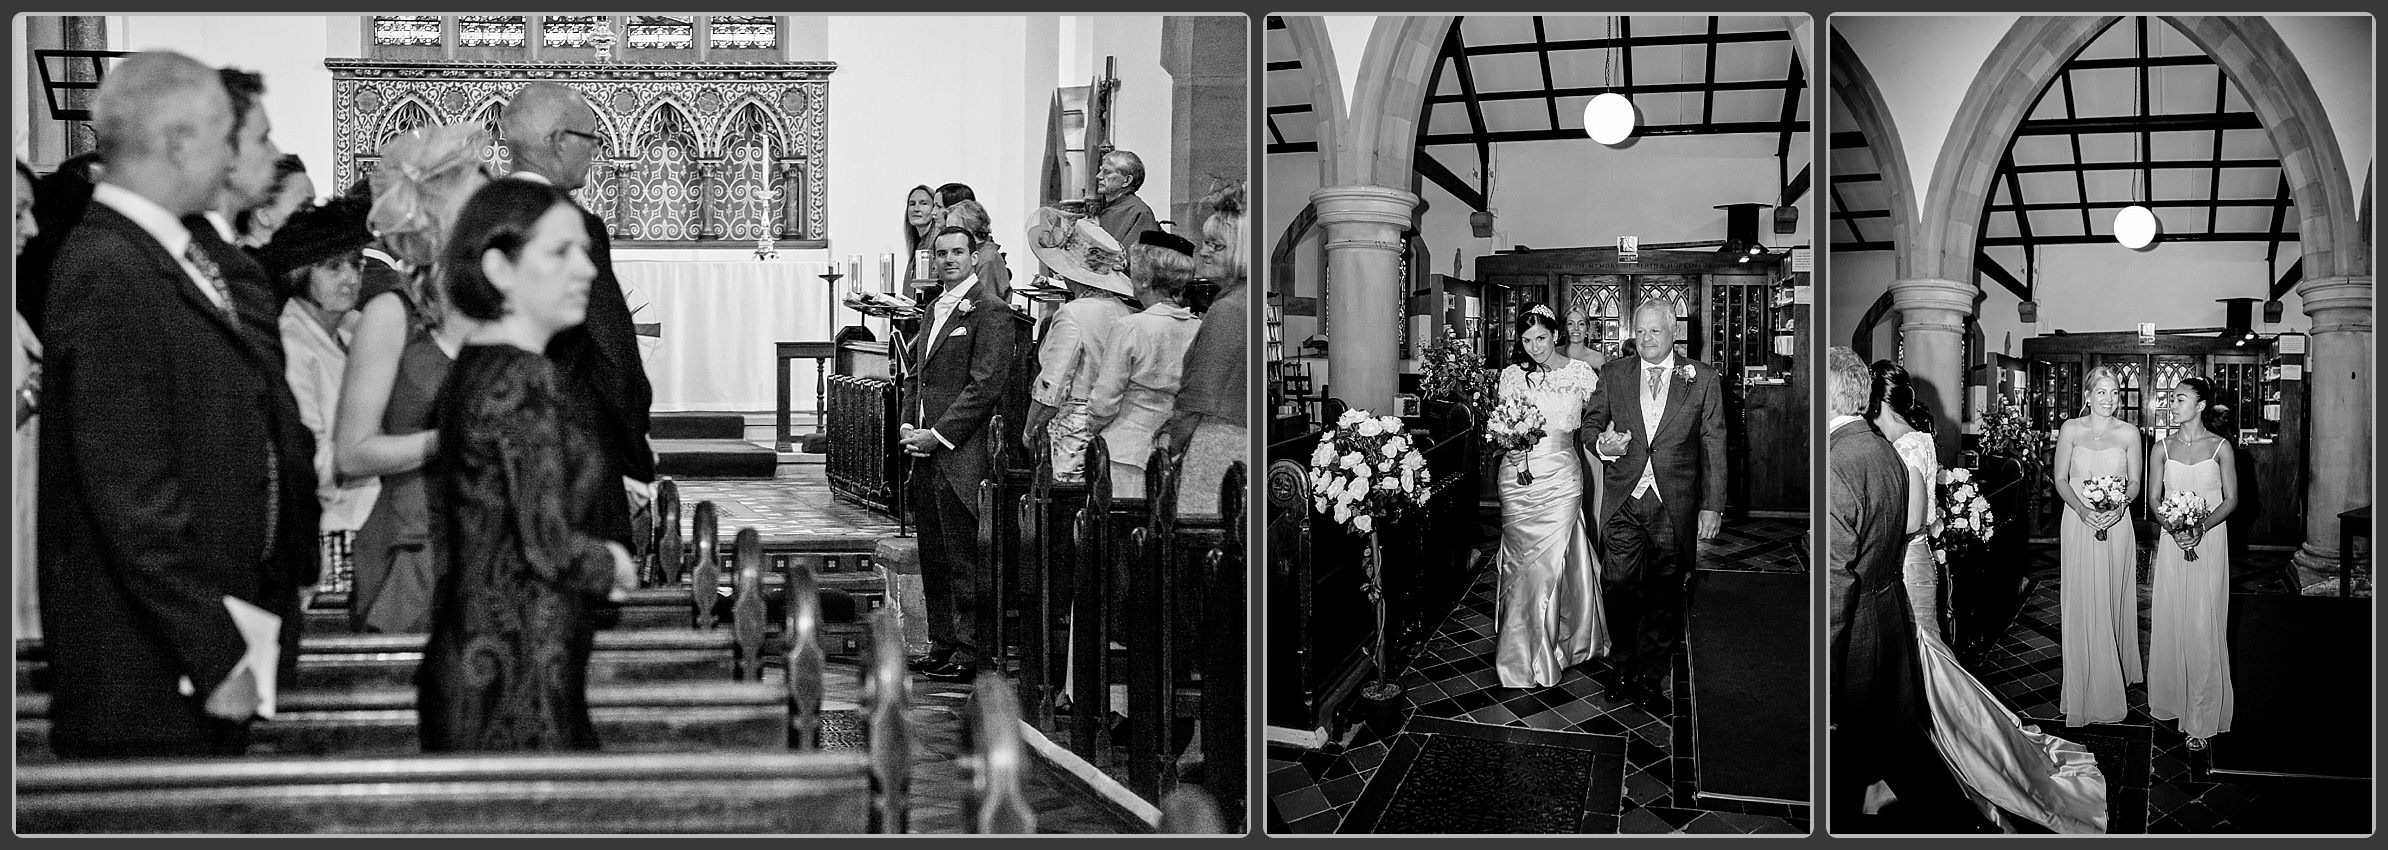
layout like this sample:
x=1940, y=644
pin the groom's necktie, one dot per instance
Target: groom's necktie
x=1653, y=375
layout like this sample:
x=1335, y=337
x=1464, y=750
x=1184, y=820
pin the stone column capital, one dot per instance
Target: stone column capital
x=1363, y=204
x=2340, y=303
x=1932, y=304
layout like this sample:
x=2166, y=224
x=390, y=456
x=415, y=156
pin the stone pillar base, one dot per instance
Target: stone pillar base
x=2317, y=571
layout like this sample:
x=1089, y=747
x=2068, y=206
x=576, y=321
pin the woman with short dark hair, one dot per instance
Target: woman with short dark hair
x=506, y=667
x=314, y=263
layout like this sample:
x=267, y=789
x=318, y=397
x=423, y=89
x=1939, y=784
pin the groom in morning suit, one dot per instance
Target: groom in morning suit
x=1660, y=426
x=176, y=484
x=1880, y=723
x=961, y=366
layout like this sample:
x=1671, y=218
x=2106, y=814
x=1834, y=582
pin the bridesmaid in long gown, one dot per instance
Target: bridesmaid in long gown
x=507, y=663
x=2099, y=626
x=1550, y=617
x=2005, y=767
x=406, y=337
x=2188, y=660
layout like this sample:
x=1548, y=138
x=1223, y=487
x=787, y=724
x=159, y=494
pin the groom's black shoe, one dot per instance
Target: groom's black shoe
x=1651, y=695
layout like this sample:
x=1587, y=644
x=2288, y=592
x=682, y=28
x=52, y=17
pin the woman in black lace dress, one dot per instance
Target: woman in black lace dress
x=507, y=663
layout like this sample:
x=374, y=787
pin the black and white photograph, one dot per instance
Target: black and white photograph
x=1538, y=310
x=2099, y=372
x=631, y=423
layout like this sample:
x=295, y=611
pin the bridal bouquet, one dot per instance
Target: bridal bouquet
x=1964, y=515
x=1365, y=469
x=1516, y=425
x=2104, y=493
x=2183, y=515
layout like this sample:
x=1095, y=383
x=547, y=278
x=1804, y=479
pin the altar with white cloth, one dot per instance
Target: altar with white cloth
x=708, y=327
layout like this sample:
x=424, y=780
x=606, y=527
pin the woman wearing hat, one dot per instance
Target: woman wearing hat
x=314, y=261
x=405, y=342
x=1089, y=260
x=1143, y=363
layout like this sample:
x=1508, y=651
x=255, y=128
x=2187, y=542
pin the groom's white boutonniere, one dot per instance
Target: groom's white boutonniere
x=963, y=307
x=1689, y=374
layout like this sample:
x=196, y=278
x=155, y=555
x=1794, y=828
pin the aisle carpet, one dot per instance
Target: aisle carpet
x=2298, y=668
x=1447, y=776
x=1749, y=676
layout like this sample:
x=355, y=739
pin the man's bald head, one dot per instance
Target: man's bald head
x=164, y=126
x=552, y=132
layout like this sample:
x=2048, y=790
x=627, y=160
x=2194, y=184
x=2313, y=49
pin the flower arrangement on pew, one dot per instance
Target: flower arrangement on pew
x=1365, y=473
x=1965, y=518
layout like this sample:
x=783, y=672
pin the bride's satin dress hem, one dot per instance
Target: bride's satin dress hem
x=1549, y=616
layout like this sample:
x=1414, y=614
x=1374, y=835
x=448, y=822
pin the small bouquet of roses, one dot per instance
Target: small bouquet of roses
x=1516, y=425
x=2104, y=493
x=1965, y=518
x=2183, y=515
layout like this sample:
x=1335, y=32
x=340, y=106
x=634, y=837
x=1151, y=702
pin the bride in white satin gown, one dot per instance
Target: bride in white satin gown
x=1549, y=617
x=2006, y=767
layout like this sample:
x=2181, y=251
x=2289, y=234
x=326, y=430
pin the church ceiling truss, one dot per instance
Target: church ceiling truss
x=1527, y=78
x=691, y=155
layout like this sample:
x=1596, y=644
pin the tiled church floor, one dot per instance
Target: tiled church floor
x=1452, y=678
x=795, y=503
x=2155, y=784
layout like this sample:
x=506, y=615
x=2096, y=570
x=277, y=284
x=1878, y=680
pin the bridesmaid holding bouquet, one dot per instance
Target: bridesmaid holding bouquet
x=2099, y=557
x=2192, y=488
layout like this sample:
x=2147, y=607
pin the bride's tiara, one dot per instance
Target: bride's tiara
x=1542, y=310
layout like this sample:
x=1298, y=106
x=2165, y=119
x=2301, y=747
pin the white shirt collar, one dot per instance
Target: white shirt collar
x=161, y=225
x=223, y=227
x=963, y=288
x=533, y=176
x=1838, y=421
x=1667, y=364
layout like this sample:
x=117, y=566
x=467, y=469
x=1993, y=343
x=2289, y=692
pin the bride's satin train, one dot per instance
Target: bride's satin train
x=2005, y=765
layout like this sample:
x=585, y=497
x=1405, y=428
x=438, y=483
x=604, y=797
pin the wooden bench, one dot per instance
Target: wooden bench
x=806, y=790
x=1174, y=585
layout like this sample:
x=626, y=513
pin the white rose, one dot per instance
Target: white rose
x=1350, y=418
x=1413, y=461
x=1370, y=428
x=1961, y=474
x=1343, y=513
x=1352, y=460
x=1363, y=523
x=1391, y=449
x=1321, y=504
x=1391, y=424
x=1323, y=455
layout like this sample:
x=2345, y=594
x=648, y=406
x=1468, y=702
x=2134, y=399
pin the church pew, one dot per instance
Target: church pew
x=807, y=791
x=363, y=701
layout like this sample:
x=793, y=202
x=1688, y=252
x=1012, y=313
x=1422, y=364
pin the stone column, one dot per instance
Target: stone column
x=1364, y=298
x=2338, y=382
x=1932, y=314
x=1209, y=95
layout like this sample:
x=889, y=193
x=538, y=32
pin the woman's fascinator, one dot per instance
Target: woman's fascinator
x=416, y=187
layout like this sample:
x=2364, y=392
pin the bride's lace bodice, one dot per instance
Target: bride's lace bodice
x=1560, y=393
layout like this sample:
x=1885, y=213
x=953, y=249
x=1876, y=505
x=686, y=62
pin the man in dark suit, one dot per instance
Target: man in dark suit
x=175, y=476
x=1660, y=423
x=552, y=134
x=1880, y=723
x=962, y=365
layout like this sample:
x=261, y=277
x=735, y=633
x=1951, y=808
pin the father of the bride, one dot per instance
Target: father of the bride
x=1660, y=426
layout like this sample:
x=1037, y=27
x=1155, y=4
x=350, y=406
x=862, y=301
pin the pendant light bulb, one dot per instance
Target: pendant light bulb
x=1609, y=118
x=2135, y=227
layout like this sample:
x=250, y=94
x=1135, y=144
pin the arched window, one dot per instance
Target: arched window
x=749, y=179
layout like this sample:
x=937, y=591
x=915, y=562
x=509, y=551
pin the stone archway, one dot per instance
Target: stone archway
x=2249, y=52
x=1936, y=291
x=1317, y=55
